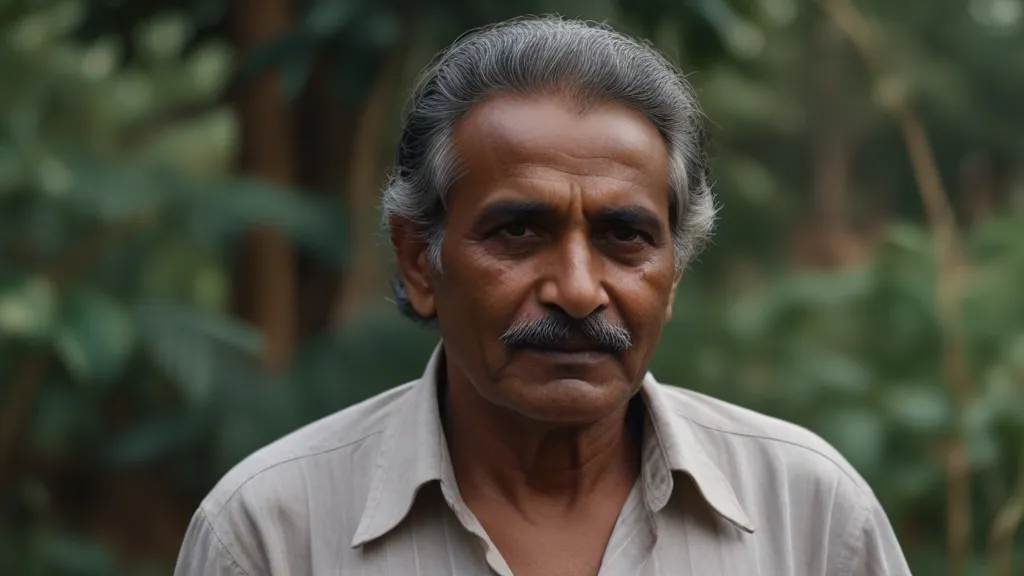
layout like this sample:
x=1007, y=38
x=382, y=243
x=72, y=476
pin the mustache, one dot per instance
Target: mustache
x=559, y=329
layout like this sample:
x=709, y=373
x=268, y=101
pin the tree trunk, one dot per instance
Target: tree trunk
x=977, y=188
x=365, y=176
x=323, y=138
x=827, y=240
x=265, y=280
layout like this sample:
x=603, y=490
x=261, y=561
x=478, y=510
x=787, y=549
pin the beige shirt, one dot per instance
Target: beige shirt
x=370, y=490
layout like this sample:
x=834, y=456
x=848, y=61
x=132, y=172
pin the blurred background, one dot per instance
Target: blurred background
x=190, y=265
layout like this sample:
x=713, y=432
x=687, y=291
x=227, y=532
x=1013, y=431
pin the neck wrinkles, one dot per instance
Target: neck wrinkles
x=499, y=454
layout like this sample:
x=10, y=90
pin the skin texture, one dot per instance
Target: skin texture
x=559, y=208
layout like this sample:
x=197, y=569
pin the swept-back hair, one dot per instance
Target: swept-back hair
x=586, y=61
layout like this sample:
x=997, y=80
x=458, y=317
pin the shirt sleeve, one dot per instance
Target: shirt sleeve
x=203, y=553
x=877, y=552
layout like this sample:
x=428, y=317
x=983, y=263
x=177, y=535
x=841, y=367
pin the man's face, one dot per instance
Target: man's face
x=561, y=215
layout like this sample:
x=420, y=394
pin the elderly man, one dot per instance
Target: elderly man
x=550, y=188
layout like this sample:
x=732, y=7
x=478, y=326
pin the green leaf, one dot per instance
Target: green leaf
x=326, y=18
x=982, y=448
x=164, y=36
x=979, y=424
x=910, y=237
x=291, y=46
x=96, y=337
x=379, y=30
x=753, y=316
x=181, y=269
x=835, y=372
x=73, y=555
x=915, y=480
x=28, y=309
x=313, y=222
x=199, y=349
x=62, y=420
x=12, y=169
x=153, y=439
x=338, y=369
x=828, y=289
x=1015, y=351
x=858, y=434
x=111, y=192
x=921, y=408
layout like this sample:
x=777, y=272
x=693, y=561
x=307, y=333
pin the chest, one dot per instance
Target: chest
x=685, y=539
x=640, y=548
x=570, y=547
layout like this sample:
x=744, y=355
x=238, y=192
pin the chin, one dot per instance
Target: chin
x=564, y=400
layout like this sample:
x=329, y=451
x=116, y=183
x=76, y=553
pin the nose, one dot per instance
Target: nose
x=574, y=281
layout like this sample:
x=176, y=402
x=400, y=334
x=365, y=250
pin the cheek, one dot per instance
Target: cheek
x=484, y=289
x=645, y=297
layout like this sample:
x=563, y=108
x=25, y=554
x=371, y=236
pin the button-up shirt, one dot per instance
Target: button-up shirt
x=370, y=490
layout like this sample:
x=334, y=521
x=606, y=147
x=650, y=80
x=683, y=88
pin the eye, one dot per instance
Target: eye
x=514, y=230
x=628, y=235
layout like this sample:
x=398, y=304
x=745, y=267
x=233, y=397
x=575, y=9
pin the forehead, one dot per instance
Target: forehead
x=532, y=141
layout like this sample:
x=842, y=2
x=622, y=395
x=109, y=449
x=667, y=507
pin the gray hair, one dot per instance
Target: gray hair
x=586, y=61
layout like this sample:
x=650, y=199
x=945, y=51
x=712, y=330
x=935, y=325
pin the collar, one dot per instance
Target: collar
x=414, y=452
x=670, y=445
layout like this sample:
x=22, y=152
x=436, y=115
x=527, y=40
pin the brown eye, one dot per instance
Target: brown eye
x=627, y=235
x=515, y=230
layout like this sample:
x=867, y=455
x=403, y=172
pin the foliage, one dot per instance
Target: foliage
x=115, y=277
x=119, y=232
x=856, y=356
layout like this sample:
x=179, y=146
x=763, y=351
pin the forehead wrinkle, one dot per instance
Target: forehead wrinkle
x=605, y=189
x=570, y=139
x=554, y=174
x=546, y=152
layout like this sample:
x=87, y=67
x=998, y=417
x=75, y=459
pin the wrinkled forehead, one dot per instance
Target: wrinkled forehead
x=507, y=135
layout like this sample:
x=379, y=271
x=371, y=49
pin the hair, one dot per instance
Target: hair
x=586, y=61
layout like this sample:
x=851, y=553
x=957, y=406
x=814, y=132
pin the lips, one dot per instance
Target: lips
x=574, y=346
x=568, y=347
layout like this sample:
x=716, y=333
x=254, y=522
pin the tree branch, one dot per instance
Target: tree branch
x=1005, y=526
x=894, y=98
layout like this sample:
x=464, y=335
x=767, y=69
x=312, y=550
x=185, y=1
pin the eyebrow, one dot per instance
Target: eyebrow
x=513, y=210
x=633, y=215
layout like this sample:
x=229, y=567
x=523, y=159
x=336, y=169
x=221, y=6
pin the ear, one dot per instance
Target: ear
x=413, y=266
x=672, y=296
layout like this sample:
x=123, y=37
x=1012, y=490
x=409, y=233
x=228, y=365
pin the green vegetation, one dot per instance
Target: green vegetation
x=148, y=342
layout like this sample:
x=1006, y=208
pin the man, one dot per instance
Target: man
x=550, y=188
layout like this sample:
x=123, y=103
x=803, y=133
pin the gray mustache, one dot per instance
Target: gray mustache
x=559, y=329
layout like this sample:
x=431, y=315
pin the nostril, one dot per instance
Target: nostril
x=556, y=309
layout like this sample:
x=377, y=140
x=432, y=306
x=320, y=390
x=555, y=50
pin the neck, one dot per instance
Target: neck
x=497, y=453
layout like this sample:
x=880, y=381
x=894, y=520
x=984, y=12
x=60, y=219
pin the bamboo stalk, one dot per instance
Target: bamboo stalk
x=951, y=265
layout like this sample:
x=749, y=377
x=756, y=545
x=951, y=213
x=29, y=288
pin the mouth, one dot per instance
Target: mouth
x=570, y=351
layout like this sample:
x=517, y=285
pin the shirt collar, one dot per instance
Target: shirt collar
x=670, y=445
x=413, y=452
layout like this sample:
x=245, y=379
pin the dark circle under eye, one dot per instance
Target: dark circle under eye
x=515, y=229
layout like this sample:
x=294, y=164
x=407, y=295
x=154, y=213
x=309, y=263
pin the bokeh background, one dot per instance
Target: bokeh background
x=190, y=265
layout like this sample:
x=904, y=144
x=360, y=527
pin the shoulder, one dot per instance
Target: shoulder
x=312, y=481
x=728, y=431
x=799, y=491
x=782, y=474
x=334, y=448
